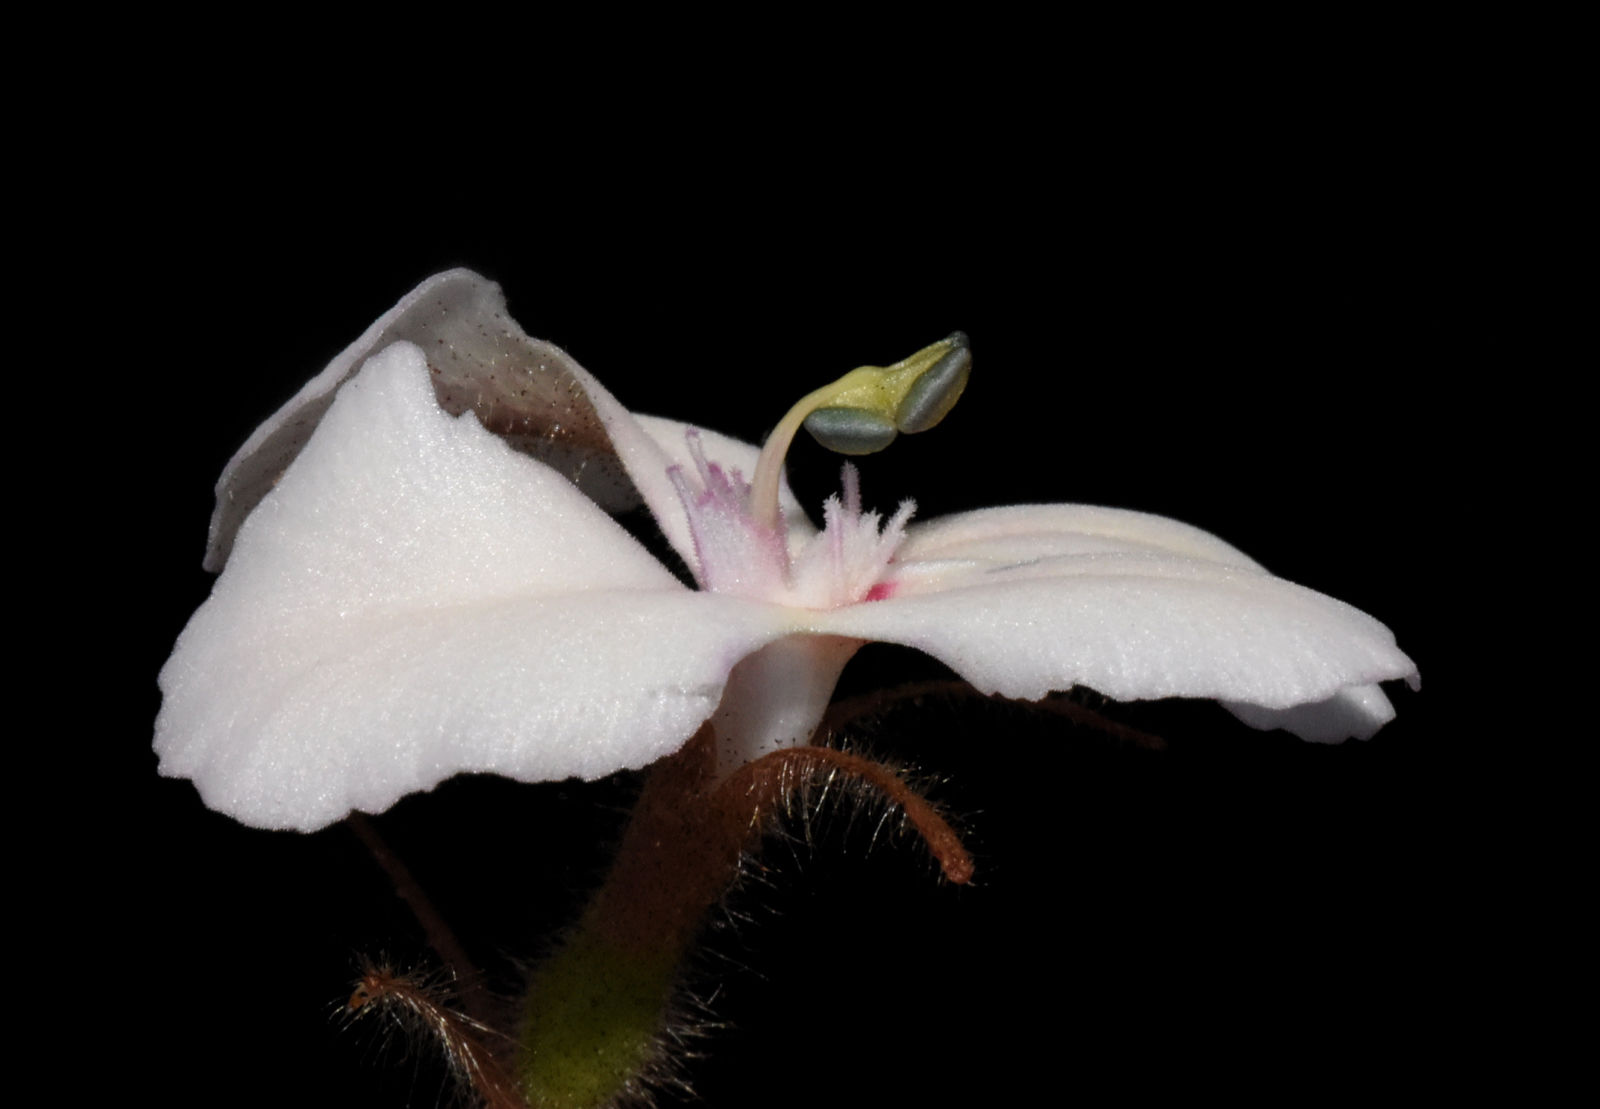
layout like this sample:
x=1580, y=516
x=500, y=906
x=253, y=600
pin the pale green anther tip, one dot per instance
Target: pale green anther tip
x=935, y=390
x=863, y=411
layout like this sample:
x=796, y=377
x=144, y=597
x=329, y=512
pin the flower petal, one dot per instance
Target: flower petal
x=1355, y=712
x=1022, y=533
x=413, y=600
x=526, y=391
x=529, y=392
x=1029, y=600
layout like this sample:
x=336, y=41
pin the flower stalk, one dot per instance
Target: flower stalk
x=599, y=1010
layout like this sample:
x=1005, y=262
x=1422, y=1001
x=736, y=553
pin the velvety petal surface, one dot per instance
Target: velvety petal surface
x=1023, y=601
x=528, y=392
x=414, y=599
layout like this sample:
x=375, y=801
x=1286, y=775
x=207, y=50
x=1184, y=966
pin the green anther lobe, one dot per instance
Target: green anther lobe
x=851, y=430
x=936, y=390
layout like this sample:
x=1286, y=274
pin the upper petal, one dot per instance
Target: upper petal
x=414, y=600
x=1029, y=600
x=529, y=392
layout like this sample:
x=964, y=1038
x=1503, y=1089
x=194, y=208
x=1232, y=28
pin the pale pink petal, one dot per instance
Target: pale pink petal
x=1004, y=536
x=414, y=600
x=1029, y=600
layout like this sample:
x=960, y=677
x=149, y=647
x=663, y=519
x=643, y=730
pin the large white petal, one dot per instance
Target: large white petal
x=1029, y=600
x=413, y=600
x=529, y=392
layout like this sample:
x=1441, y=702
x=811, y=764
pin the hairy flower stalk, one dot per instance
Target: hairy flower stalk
x=597, y=1020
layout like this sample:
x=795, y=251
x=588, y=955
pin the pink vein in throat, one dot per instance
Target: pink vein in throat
x=849, y=561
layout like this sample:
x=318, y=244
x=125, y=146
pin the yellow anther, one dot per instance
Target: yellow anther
x=863, y=411
x=881, y=389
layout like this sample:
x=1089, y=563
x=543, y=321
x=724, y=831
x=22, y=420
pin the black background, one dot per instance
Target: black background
x=1226, y=317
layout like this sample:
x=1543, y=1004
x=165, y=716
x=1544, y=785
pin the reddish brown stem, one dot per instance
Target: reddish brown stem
x=468, y=983
x=761, y=785
x=677, y=857
x=464, y=1041
x=681, y=849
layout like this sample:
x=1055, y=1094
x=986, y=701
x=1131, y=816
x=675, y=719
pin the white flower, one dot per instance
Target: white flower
x=415, y=599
